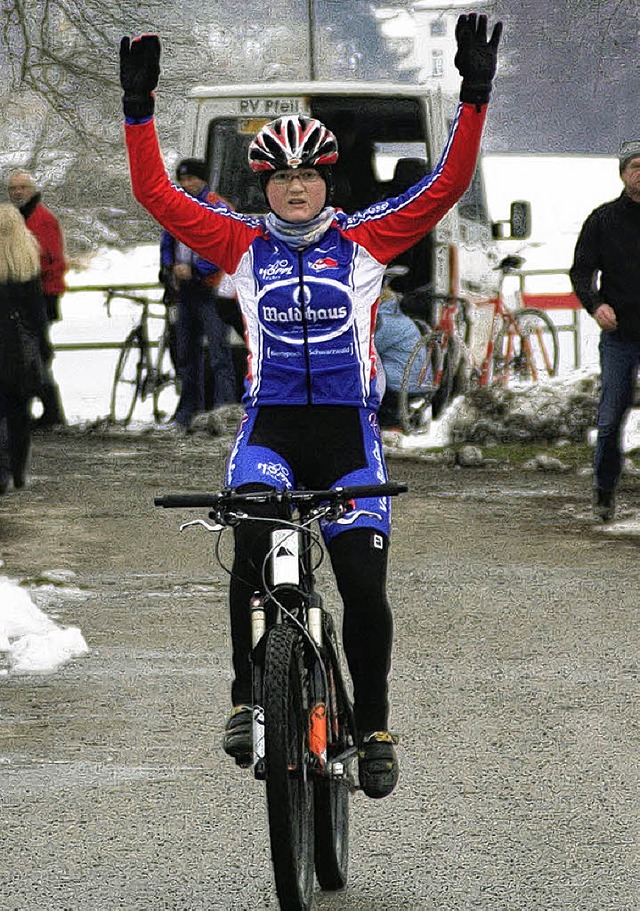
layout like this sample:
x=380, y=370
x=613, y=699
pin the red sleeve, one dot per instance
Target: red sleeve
x=52, y=258
x=391, y=227
x=221, y=237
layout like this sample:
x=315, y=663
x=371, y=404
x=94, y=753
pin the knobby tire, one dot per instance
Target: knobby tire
x=539, y=328
x=454, y=377
x=288, y=782
x=331, y=796
x=530, y=356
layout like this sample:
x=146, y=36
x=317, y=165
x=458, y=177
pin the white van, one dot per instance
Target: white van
x=383, y=131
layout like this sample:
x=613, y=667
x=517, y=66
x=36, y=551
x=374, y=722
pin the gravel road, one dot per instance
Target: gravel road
x=515, y=694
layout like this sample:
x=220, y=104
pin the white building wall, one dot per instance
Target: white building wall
x=429, y=27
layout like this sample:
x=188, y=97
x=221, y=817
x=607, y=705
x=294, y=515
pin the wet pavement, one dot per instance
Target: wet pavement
x=515, y=694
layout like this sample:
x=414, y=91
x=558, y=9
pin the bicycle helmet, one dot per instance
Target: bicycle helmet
x=292, y=142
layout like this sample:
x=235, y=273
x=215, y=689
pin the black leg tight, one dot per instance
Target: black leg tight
x=360, y=568
x=359, y=560
x=252, y=542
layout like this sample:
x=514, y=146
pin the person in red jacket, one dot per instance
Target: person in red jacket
x=24, y=194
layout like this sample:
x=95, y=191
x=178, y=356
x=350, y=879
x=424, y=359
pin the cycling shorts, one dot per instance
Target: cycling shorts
x=314, y=447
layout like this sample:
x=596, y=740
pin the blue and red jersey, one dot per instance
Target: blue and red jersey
x=309, y=315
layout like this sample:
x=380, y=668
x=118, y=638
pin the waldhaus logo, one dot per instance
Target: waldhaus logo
x=311, y=314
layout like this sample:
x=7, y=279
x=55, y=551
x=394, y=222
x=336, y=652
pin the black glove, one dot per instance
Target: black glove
x=139, y=72
x=476, y=58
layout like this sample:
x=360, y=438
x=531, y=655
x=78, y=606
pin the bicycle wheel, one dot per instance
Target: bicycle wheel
x=530, y=351
x=539, y=359
x=127, y=381
x=331, y=796
x=165, y=386
x=420, y=381
x=455, y=376
x=289, y=786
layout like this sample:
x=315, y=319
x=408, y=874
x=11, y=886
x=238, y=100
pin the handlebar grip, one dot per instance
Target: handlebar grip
x=389, y=489
x=175, y=501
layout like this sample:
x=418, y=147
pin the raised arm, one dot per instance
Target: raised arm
x=213, y=231
x=388, y=228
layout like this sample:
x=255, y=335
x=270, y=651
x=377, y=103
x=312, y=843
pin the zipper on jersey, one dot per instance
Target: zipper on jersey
x=305, y=324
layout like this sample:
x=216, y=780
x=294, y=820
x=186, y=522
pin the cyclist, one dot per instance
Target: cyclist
x=308, y=279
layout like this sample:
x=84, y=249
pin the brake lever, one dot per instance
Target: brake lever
x=203, y=523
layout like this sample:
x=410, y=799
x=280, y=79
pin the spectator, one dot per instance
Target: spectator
x=23, y=193
x=395, y=338
x=606, y=278
x=24, y=344
x=192, y=282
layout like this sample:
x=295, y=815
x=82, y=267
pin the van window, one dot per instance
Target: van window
x=231, y=175
x=372, y=132
x=387, y=154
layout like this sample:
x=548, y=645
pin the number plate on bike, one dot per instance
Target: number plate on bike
x=284, y=560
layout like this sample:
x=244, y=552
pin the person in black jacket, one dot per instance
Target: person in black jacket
x=191, y=282
x=606, y=278
x=24, y=343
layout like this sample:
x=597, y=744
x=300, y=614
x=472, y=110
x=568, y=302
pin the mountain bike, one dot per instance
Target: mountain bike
x=304, y=734
x=137, y=375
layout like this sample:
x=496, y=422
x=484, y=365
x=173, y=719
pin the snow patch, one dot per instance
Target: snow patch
x=30, y=641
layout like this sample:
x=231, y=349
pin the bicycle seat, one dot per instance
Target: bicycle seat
x=510, y=263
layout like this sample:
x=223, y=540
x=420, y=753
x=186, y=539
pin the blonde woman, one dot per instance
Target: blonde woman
x=24, y=344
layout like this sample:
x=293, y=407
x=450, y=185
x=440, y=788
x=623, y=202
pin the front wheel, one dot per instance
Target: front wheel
x=420, y=382
x=288, y=782
x=331, y=796
x=455, y=376
x=165, y=392
x=127, y=381
x=528, y=350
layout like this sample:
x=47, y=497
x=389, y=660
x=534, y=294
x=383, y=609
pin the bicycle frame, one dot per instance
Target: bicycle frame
x=486, y=368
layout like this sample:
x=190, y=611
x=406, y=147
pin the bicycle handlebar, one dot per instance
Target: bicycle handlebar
x=110, y=293
x=292, y=497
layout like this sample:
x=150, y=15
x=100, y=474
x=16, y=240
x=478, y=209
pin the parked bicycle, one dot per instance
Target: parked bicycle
x=304, y=735
x=522, y=343
x=138, y=374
